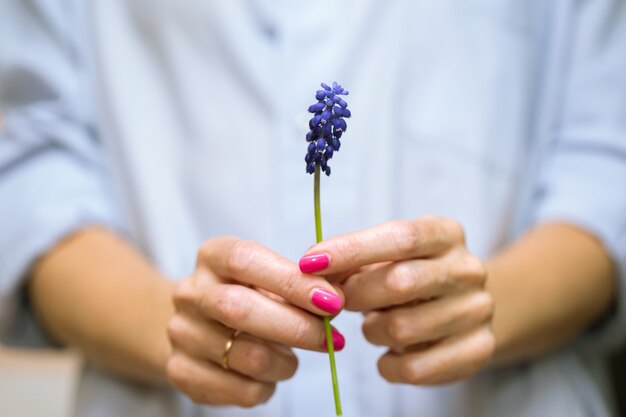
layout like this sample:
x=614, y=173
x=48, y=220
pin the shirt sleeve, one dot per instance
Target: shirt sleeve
x=53, y=178
x=583, y=180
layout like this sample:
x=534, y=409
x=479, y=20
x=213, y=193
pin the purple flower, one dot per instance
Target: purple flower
x=327, y=126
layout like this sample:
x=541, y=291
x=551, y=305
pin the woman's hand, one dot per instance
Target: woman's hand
x=241, y=285
x=423, y=295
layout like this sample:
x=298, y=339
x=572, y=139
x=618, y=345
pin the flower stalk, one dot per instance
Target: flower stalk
x=327, y=327
x=327, y=127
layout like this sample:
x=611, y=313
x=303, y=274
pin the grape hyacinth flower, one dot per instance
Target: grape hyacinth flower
x=327, y=126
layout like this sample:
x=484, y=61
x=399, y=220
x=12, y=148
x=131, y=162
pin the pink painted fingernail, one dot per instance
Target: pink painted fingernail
x=314, y=262
x=343, y=291
x=326, y=301
x=338, y=340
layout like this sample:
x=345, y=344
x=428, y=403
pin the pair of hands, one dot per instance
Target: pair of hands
x=422, y=293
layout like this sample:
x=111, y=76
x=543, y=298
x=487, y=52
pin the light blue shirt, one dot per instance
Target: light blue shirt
x=175, y=121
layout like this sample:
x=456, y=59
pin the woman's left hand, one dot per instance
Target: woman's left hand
x=423, y=295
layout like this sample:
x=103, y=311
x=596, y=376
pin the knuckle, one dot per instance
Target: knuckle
x=240, y=258
x=405, y=237
x=205, y=250
x=483, y=350
x=382, y=370
x=292, y=284
x=301, y=334
x=232, y=306
x=209, y=246
x=175, y=371
x=368, y=332
x=486, y=347
x=259, y=359
x=400, y=281
x=256, y=393
x=348, y=247
x=176, y=328
x=475, y=270
x=398, y=331
x=409, y=372
x=292, y=367
x=456, y=231
x=484, y=305
x=184, y=294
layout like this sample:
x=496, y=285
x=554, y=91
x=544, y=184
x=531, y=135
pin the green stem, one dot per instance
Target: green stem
x=316, y=201
x=327, y=327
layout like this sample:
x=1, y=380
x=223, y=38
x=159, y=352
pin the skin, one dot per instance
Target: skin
x=135, y=322
x=443, y=313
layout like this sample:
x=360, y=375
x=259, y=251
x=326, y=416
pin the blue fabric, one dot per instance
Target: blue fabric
x=185, y=120
x=53, y=179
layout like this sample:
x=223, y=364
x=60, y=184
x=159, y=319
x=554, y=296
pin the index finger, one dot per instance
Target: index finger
x=251, y=263
x=392, y=241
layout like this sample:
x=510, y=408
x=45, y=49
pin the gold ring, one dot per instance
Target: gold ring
x=227, y=348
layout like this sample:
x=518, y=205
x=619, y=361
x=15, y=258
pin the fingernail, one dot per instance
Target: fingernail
x=338, y=340
x=343, y=291
x=326, y=301
x=314, y=262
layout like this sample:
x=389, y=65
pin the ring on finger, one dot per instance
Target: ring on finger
x=227, y=348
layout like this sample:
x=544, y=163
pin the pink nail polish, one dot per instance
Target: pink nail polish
x=338, y=340
x=326, y=301
x=314, y=262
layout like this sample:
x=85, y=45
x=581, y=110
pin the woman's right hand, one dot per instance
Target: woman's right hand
x=241, y=285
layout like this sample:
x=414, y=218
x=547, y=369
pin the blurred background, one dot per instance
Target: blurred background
x=36, y=383
x=618, y=371
x=42, y=383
